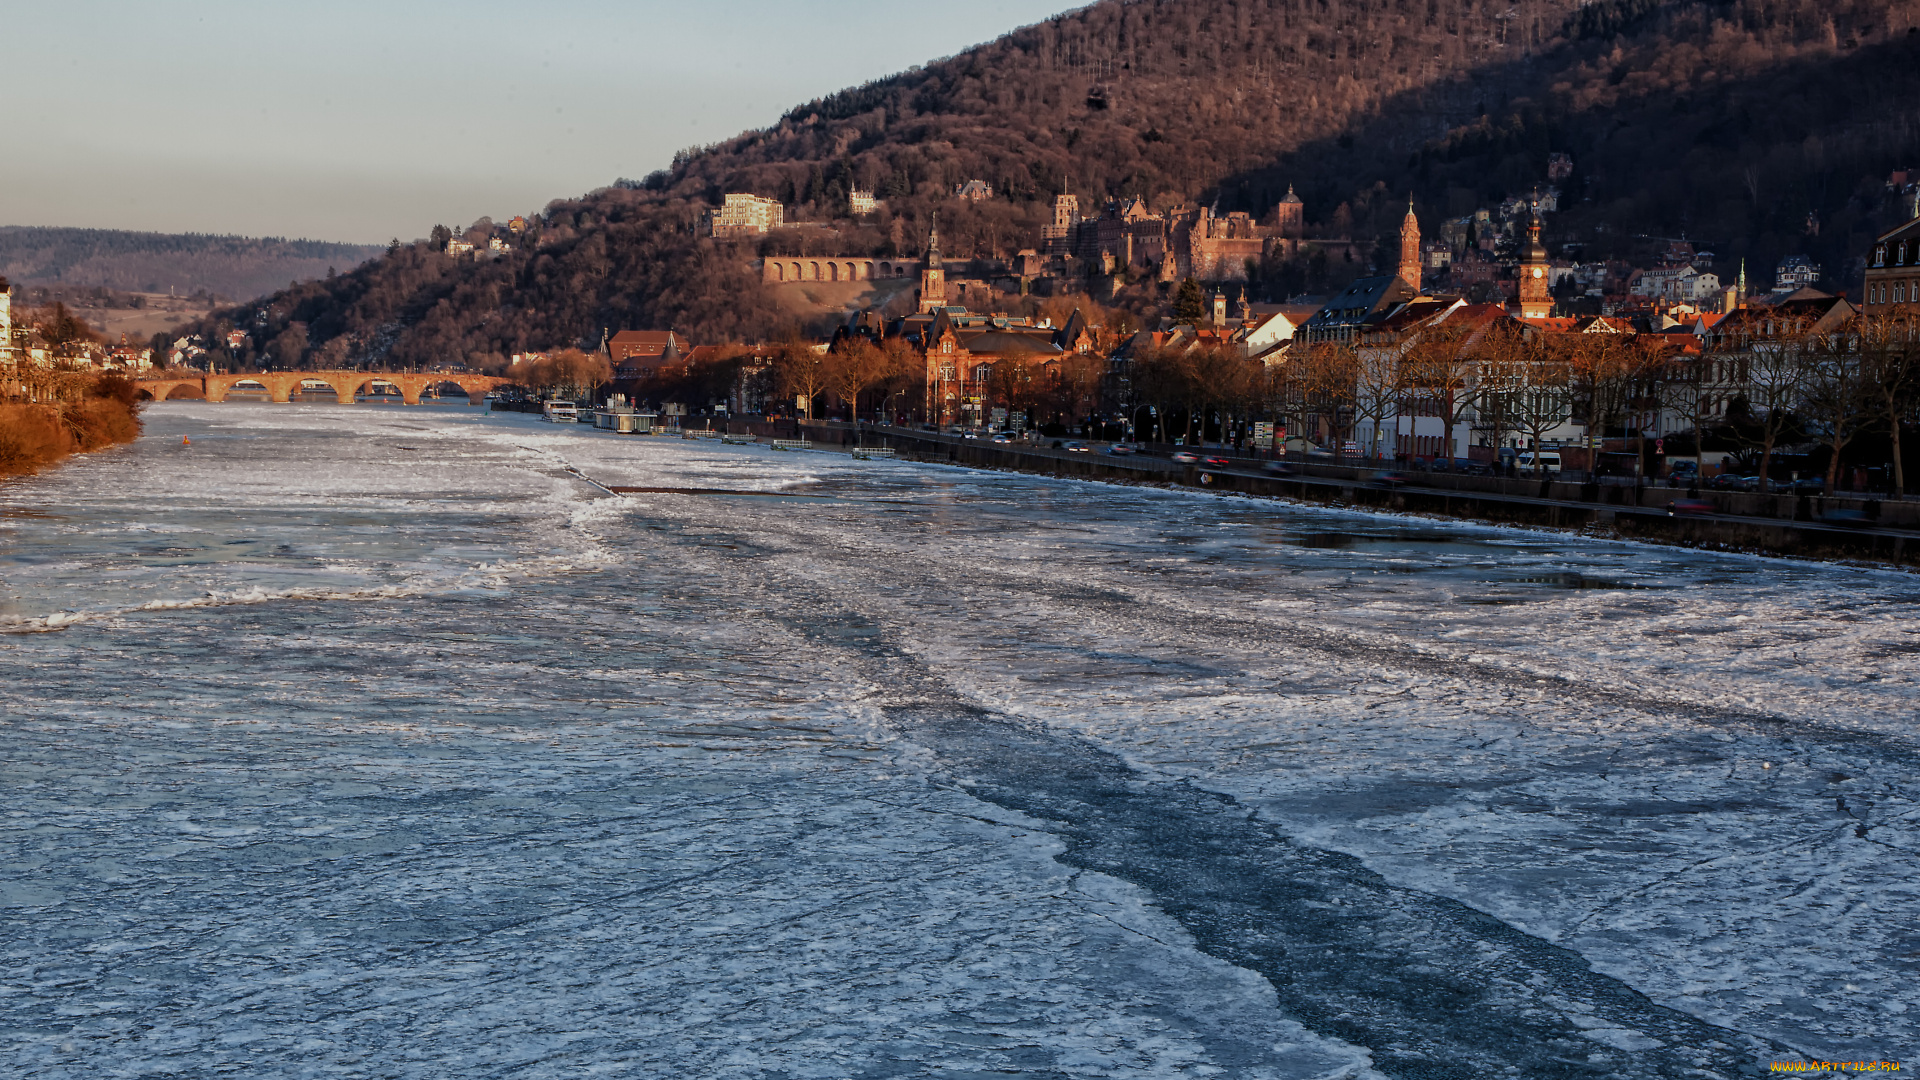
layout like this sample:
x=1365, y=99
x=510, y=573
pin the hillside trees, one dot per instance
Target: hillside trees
x=1729, y=119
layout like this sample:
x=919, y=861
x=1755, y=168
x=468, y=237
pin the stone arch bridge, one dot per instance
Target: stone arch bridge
x=282, y=385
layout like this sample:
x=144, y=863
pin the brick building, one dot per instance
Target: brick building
x=1893, y=271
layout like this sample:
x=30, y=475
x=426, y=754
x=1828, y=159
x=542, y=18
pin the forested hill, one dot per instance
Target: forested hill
x=236, y=267
x=1728, y=121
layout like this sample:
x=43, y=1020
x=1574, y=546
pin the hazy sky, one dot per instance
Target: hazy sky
x=357, y=120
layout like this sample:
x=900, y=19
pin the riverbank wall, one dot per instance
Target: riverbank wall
x=1739, y=522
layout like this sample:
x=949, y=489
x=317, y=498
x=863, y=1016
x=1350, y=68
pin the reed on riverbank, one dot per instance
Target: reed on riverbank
x=77, y=413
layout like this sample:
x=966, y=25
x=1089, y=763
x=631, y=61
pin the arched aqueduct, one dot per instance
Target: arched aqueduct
x=776, y=271
x=282, y=385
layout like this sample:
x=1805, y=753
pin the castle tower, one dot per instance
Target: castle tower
x=1290, y=218
x=1066, y=211
x=933, y=279
x=1409, y=271
x=1536, y=294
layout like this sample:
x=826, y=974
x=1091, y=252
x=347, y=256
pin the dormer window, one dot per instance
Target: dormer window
x=1880, y=255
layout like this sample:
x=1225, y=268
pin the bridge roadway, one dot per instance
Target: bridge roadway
x=282, y=385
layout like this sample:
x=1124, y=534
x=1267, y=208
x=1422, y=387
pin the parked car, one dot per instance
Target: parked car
x=1549, y=461
x=1186, y=457
x=1729, y=482
x=1810, y=485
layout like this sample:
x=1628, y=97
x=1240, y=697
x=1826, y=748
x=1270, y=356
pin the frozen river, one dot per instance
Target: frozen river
x=374, y=742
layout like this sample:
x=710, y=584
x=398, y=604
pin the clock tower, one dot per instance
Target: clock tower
x=1536, y=293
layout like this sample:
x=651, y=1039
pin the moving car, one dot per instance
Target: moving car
x=1549, y=461
x=1078, y=448
x=1121, y=449
x=1186, y=457
x=1392, y=479
x=1277, y=468
x=1214, y=461
x=1689, y=507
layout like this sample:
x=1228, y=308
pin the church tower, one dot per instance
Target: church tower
x=933, y=280
x=1409, y=271
x=1290, y=218
x=1536, y=294
x=6, y=320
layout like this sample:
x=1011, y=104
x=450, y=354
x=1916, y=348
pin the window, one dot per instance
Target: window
x=1880, y=255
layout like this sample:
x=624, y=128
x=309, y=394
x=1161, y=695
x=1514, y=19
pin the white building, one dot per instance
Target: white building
x=1795, y=272
x=1684, y=285
x=747, y=215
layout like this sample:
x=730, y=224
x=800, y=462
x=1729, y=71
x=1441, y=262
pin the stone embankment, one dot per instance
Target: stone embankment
x=1802, y=526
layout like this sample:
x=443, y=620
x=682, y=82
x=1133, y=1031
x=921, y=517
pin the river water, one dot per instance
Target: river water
x=379, y=742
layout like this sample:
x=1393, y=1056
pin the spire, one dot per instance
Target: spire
x=933, y=241
x=1409, y=269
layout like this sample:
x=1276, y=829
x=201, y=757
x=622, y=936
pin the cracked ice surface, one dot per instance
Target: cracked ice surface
x=352, y=766
x=375, y=742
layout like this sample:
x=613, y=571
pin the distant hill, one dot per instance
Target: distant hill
x=1761, y=127
x=235, y=267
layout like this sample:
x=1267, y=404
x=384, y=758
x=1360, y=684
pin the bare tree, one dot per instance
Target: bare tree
x=1075, y=382
x=1222, y=380
x=1601, y=369
x=1772, y=376
x=570, y=372
x=1440, y=369
x=1329, y=376
x=800, y=370
x=1380, y=384
x=852, y=368
x=1839, y=395
x=1891, y=348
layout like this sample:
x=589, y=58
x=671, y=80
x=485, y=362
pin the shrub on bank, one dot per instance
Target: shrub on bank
x=102, y=413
